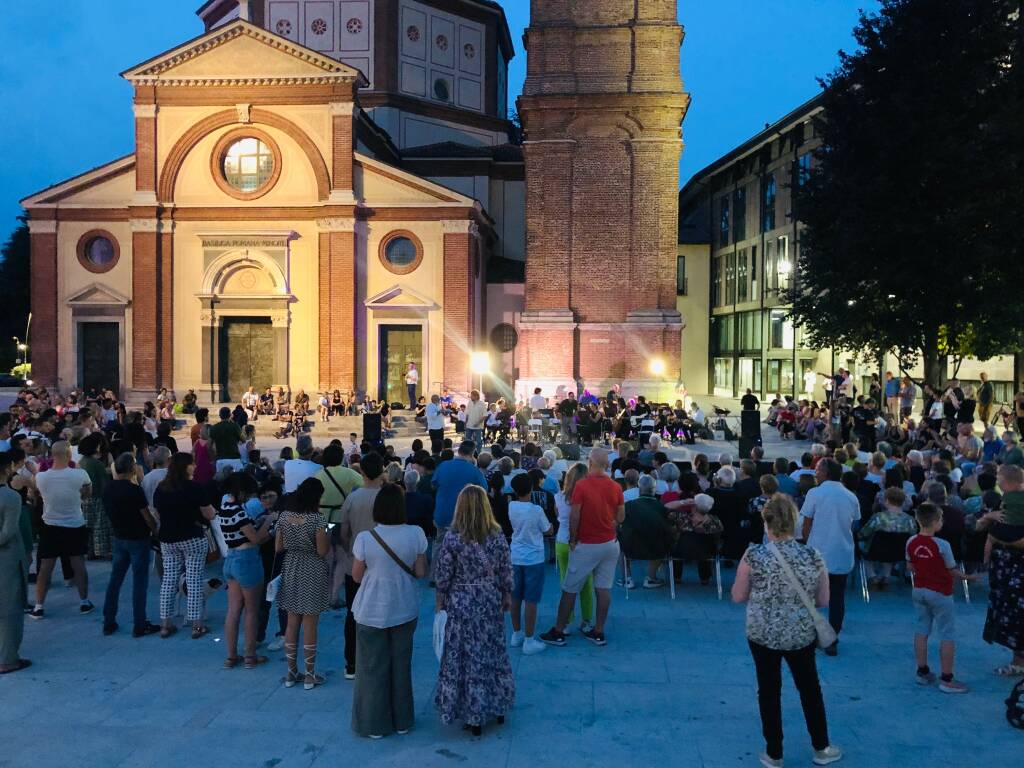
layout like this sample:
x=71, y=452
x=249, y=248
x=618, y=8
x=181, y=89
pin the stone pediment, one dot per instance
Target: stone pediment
x=96, y=295
x=399, y=297
x=241, y=53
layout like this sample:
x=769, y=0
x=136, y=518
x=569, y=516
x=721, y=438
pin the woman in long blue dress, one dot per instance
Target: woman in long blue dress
x=474, y=585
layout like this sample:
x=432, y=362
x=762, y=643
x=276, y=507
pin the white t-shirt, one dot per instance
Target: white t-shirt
x=935, y=411
x=476, y=412
x=563, y=508
x=529, y=524
x=537, y=402
x=61, y=490
x=250, y=400
x=388, y=596
x=151, y=481
x=412, y=376
x=435, y=416
x=297, y=470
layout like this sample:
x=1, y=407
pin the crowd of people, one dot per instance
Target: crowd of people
x=352, y=524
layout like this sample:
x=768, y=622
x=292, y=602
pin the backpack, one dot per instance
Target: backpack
x=1015, y=706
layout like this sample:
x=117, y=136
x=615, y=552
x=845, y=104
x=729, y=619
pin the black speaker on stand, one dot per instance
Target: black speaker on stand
x=372, y=430
x=750, y=432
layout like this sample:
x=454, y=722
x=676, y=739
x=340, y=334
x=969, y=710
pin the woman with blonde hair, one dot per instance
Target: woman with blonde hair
x=780, y=626
x=563, y=508
x=474, y=586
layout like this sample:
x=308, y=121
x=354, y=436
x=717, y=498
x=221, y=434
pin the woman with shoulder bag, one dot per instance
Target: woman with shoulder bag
x=387, y=561
x=781, y=581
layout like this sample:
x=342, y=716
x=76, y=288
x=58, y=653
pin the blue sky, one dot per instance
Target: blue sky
x=65, y=110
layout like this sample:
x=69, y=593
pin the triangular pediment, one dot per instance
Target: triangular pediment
x=96, y=295
x=399, y=297
x=378, y=183
x=239, y=53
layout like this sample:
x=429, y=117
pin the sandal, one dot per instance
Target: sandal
x=251, y=662
x=167, y=632
x=231, y=662
x=291, y=678
x=198, y=632
x=22, y=664
x=1010, y=670
x=313, y=680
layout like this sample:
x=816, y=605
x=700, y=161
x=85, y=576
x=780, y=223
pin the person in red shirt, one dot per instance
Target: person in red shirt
x=597, y=508
x=931, y=561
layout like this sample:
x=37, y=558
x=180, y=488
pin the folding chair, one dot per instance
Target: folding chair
x=534, y=427
x=886, y=547
x=697, y=547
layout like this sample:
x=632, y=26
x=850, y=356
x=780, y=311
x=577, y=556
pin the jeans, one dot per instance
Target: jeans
x=837, y=600
x=411, y=388
x=133, y=552
x=477, y=436
x=436, y=440
x=768, y=663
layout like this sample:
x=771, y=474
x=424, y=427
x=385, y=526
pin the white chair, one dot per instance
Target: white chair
x=534, y=427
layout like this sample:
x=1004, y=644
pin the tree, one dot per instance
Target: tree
x=909, y=213
x=14, y=292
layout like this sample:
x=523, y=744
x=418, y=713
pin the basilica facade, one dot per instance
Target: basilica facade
x=322, y=191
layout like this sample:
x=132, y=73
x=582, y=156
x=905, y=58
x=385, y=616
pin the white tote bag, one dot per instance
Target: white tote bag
x=272, y=586
x=440, y=622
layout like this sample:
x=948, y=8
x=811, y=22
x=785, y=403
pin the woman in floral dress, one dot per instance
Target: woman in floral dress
x=474, y=585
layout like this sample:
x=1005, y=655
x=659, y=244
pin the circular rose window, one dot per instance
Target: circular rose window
x=98, y=251
x=413, y=33
x=246, y=163
x=401, y=252
x=319, y=26
x=354, y=26
x=283, y=27
x=442, y=42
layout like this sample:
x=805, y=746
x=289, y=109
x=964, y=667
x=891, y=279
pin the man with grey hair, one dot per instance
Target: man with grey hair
x=595, y=508
x=63, y=532
x=632, y=490
x=158, y=459
x=476, y=415
x=731, y=509
x=133, y=526
x=645, y=533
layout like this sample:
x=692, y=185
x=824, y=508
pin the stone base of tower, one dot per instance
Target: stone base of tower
x=547, y=360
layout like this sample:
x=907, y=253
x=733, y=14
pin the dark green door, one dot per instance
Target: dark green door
x=99, y=356
x=399, y=346
x=247, y=355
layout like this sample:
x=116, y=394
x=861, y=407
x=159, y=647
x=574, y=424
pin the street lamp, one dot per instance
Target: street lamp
x=480, y=363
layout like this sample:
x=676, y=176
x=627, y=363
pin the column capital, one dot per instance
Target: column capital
x=342, y=108
x=144, y=225
x=42, y=226
x=459, y=227
x=336, y=224
x=144, y=110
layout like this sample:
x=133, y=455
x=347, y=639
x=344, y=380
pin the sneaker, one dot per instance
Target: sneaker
x=553, y=637
x=586, y=626
x=532, y=645
x=653, y=583
x=517, y=639
x=926, y=679
x=567, y=631
x=350, y=673
x=402, y=731
x=829, y=754
x=276, y=644
x=86, y=607
x=952, y=686
x=769, y=762
x=628, y=583
x=597, y=638
x=35, y=613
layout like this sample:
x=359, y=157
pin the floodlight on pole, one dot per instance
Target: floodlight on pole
x=658, y=367
x=480, y=364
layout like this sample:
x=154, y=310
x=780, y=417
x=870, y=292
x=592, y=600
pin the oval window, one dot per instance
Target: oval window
x=98, y=251
x=248, y=164
x=441, y=89
x=504, y=337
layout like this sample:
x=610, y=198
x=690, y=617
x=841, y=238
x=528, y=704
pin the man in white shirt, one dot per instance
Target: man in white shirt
x=537, y=402
x=435, y=414
x=412, y=378
x=297, y=470
x=476, y=414
x=632, y=491
x=64, y=532
x=828, y=514
x=158, y=459
x=251, y=402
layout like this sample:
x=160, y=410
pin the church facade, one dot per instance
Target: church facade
x=322, y=191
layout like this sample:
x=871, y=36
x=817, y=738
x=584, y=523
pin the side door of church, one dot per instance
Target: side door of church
x=99, y=356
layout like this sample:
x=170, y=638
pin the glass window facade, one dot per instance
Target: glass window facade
x=742, y=288
x=739, y=216
x=723, y=222
x=768, y=194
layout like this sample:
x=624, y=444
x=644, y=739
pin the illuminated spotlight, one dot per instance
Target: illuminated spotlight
x=851, y=302
x=480, y=362
x=658, y=366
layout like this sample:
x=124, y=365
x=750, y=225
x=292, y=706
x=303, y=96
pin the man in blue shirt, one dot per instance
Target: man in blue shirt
x=786, y=483
x=892, y=394
x=448, y=480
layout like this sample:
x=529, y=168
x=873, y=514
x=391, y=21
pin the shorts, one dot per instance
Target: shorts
x=245, y=567
x=528, y=582
x=935, y=610
x=57, y=541
x=597, y=559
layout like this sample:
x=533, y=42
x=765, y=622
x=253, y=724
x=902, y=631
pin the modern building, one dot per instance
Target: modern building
x=739, y=239
x=316, y=191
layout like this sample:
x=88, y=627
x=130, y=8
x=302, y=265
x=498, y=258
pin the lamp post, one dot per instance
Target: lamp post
x=480, y=363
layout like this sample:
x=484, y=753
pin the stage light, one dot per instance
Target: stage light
x=658, y=366
x=480, y=362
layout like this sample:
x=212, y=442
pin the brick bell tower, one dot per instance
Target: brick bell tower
x=601, y=109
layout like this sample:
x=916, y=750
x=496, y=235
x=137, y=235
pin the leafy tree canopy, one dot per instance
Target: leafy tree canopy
x=912, y=211
x=14, y=292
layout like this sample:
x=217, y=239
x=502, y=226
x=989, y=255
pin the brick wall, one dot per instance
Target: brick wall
x=146, y=306
x=458, y=308
x=43, y=333
x=341, y=166
x=145, y=154
x=337, y=311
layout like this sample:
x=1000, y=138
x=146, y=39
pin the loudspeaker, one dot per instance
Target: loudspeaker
x=372, y=429
x=746, y=443
x=750, y=424
x=570, y=451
